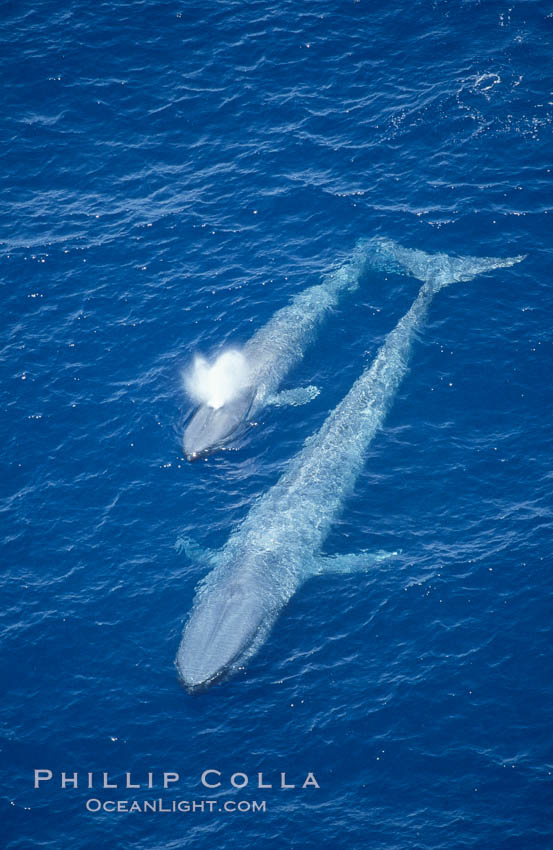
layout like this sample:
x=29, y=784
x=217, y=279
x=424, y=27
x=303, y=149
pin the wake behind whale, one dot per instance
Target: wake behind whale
x=278, y=545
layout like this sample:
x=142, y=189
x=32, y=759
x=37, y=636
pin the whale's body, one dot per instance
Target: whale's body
x=270, y=354
x=278, y=545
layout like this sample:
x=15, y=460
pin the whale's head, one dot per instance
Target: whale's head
x=226, y=626
x=209, y=428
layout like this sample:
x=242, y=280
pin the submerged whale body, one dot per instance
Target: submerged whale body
x=278, y=545
x=230, y=391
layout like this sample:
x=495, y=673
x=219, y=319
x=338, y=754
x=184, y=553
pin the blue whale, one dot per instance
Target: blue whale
x=270, y=354
x=278, y=545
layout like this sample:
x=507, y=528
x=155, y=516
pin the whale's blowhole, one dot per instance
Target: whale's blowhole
x=220, y=381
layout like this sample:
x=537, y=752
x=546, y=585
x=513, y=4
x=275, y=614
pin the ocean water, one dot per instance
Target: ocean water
x=172, y=174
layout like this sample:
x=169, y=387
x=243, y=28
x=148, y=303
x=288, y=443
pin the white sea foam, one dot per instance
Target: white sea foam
x=218, y=382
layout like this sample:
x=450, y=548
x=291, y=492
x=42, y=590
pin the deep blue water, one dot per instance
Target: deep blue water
x=173, y=173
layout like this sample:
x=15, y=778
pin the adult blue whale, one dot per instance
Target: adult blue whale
x=278, y=545
x=269, y=355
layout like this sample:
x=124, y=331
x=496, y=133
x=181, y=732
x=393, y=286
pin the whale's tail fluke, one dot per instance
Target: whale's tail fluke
x=436, y=270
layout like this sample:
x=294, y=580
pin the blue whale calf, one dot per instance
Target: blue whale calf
x=268, y=357
x=278, y=545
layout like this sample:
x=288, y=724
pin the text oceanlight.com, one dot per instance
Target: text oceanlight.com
x=174, y=806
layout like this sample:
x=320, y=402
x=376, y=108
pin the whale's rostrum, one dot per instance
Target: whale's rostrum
x=278, y=545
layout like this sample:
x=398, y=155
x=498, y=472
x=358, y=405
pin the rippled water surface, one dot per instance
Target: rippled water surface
x=171, y=175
